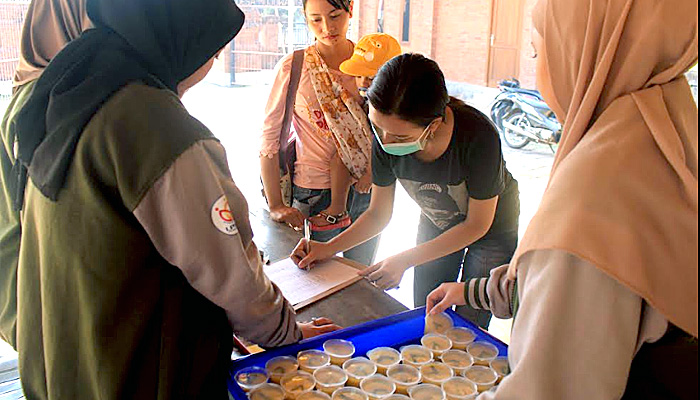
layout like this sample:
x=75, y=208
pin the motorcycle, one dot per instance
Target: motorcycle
x=522, y=116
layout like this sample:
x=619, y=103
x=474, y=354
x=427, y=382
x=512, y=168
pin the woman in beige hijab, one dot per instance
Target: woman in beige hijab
x=48, y=27
x=61, y=21
x=605, y=281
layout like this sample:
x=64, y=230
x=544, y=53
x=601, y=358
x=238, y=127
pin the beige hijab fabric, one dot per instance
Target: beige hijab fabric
x=623, y=193
x=48, y=27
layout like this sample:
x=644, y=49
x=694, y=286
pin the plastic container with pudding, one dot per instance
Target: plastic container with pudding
x=398, y=396
x=311, y=360
x=436, y=373
x=501, y=366
x=437, y=343
x=339, y=350
x=267, y=391
x=251, y=377
x=482, y=353
x=459, y=388
x=297, y=383
x=330, y=378
x=484, y=377
x=416, y=355
x=359, y=368
x=458, y=360
x=404, y=376
x=279, y=366
x=349, y=393
x=426, y=391
x=438, y=323
x=378, y=387
x=460, y=337
x=314, y=395
x=384, y=357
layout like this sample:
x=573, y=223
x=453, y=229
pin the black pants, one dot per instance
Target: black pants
x=481, y=257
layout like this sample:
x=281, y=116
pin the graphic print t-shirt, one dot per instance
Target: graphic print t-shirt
x=472, y=166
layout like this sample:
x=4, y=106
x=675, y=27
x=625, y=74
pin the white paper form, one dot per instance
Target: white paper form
x=302, y=287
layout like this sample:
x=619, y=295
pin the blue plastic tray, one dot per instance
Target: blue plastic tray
x=395, y=331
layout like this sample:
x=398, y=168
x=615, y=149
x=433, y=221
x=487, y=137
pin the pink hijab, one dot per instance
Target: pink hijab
x=48, y=27
x=623, y=193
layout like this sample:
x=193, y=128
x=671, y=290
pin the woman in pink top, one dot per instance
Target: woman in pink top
x=330, y=127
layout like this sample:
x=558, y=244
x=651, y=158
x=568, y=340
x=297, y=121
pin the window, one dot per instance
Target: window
x=406, y=31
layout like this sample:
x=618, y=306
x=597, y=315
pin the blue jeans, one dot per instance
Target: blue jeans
x=312, y=201
x=481, y=257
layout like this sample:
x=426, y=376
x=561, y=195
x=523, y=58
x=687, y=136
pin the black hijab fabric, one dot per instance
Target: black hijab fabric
x=156, y=42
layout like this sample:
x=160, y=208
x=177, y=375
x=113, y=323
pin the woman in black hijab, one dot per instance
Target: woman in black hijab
x=136, y=261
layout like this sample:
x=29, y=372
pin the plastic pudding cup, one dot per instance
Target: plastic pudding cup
x=339, y=350
x=267, y=391
x=484, y=377
x=439, y=323
x=251, y=377
x=397, y=396
x=359, y=368
x=460, y=337
x=437, y=343
x=416, y=355
x=330, y=378
x=349, y=393
x=501, y=366
x=426, y=392
x=378, y=387
x=458, y=360
x=436, y=373
x=384, y=357
x=313, y=395
x=404, y=376
x=311, y=360
x=459, y=388
x=482, y=353
x=279, y=366
x=297, y=383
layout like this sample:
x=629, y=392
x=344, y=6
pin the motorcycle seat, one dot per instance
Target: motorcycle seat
x=535, y=102
x=531, y=92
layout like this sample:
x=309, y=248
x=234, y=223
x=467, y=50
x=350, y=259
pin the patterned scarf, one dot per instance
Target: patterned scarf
x=347, y=120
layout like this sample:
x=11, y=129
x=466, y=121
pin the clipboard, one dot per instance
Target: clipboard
x=302, y=288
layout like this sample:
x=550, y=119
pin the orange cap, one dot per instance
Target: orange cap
x=371, y=52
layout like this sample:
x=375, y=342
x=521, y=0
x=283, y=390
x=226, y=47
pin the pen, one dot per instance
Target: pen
x=307, y=236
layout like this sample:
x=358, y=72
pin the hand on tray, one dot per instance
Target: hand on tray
x=444, y=297
x=317, y=327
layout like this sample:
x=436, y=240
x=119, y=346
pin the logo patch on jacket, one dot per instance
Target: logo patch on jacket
x=222, y=217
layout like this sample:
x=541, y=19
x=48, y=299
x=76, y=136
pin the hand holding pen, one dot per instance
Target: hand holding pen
x=307, y=252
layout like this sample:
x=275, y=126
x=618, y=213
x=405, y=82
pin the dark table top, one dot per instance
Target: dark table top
x=358, y=303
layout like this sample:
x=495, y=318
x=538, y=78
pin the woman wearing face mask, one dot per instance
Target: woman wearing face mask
x=448, y=157
x=604, y=286
x=136, y=261
x=333, y=136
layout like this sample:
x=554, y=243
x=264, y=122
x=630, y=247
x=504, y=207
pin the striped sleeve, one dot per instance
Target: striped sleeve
x=494, y=293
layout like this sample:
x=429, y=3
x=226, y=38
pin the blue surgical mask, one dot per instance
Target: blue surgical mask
x=403, y=149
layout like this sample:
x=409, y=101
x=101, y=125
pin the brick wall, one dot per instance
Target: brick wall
x=11, y=20
x=455, y=33
x=462, y=35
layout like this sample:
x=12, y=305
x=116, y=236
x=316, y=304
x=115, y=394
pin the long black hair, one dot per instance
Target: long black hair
x=411, y=87
x=338, y=4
